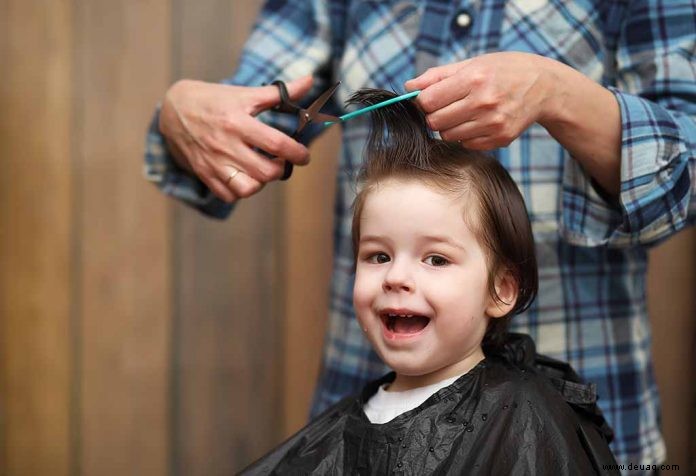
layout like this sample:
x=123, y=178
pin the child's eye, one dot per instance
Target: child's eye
x=436, y=260
x=378, y=258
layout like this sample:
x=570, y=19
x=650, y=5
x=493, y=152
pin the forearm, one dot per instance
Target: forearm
x=585, y=119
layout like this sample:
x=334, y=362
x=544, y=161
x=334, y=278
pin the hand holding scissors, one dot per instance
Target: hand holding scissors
x=212, y=131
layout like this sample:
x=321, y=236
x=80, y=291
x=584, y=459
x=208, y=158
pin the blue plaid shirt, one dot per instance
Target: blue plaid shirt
x=591, y=307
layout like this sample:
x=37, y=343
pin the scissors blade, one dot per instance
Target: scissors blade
x=326, y=118
x=316, y=106
x=312, y=112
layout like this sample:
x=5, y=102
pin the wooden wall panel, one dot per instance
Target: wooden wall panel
x=228, y=341
x=124, y=241
x=309, y=224
x=36, y=226
x=672, y=305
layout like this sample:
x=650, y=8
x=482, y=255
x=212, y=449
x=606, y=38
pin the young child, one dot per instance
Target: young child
x=444, y=256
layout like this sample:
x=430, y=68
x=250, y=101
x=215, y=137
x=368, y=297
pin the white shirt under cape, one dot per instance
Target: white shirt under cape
x=384, y=406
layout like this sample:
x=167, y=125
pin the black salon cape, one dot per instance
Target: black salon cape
x=516, y=413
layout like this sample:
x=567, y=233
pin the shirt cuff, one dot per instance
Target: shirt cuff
x=655, y=183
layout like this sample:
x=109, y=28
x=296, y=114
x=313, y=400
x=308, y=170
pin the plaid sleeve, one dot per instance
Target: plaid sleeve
x=656, y=92
x=290, y=39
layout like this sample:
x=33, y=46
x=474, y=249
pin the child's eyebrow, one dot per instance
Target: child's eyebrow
x=443, y=239
x=378, y=239
x=426, y=238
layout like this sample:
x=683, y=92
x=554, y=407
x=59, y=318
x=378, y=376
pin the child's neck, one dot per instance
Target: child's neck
x=408, y=382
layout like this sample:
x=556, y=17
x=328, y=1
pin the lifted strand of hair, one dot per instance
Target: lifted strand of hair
x=399, y=138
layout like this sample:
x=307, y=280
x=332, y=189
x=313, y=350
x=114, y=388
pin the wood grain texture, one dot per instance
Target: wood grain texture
x=309, y=198
x=124, y=223
x=36, y=222
x=228, y=339
x=672, y=307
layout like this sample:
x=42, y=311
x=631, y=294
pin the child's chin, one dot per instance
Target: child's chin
x=410, y=369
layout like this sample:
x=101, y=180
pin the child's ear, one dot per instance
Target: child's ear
x=507, y=289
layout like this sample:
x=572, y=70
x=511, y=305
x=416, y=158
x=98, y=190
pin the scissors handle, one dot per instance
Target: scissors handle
x=285, y=104
x=287, y=171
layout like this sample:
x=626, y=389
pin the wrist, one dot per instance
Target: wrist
x=170, y=122
x=555, y=98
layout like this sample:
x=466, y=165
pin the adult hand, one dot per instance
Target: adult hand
x=212, y=131
x=487, y=101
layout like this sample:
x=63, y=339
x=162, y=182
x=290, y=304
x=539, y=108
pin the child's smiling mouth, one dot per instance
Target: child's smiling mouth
x=402, y=323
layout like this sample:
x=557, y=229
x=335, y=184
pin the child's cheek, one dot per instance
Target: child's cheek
x=361, y=293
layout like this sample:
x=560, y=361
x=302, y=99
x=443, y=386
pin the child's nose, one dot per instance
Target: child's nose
x=398, y=278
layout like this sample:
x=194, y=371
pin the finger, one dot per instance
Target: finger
x=240, y=183
x=273, y=141
x=499, y=129
x=480, y=143
x=265, y=97
x=220, y=190
x=432, y=76
x=466, y=131
x=260, y=168
x=444, y=93
x=202, y=169
x=450, y=116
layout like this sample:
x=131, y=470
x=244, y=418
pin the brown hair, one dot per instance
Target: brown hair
x=401, y=146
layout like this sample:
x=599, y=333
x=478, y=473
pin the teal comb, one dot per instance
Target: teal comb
x=362, y=111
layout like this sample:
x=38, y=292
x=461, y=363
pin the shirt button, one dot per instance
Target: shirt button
x=463, y=20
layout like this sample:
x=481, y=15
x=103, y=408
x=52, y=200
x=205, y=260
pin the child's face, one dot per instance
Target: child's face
x=416, y=256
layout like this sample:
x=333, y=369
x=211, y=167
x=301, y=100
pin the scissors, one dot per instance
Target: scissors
x=304, y=116
x=312, y=114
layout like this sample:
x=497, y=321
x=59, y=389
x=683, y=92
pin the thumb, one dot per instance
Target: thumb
x=432, y=76
x=269, y=96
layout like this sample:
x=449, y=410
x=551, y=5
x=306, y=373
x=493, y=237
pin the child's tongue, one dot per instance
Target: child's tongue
x=407, y=325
